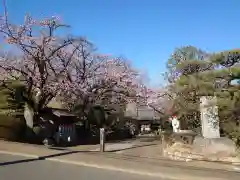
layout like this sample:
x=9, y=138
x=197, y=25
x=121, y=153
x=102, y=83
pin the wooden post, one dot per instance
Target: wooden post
x=102, y=139
x=163, y=139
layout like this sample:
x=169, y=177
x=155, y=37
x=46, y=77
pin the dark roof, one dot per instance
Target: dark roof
x=59, y=112
x=141, y=112
x=62, y=113
x=145, y=113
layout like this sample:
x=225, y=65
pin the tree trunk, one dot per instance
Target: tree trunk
x=28, y=115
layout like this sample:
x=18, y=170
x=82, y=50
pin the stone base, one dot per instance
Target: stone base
x=184, y=136
x=221, y=145
x=221, y=149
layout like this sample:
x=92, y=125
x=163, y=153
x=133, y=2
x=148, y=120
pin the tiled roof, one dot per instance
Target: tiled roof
x=140, y=112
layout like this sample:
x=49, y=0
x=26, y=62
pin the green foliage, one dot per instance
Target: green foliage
x=12, y=124
x=11, y=128
x=96, y=116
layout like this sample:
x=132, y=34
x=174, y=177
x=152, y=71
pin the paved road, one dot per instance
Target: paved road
x=16, y=167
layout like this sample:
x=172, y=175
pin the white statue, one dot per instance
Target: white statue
x=175, y=124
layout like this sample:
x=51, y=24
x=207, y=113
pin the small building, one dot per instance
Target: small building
x=63, y=127
x=59, y=116
x=143, y=116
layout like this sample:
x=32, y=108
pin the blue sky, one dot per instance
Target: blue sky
x=144, y=31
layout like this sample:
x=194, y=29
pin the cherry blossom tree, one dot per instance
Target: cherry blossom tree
x=69, y=67
x=158, y=98
x=101, y=80
x=44, y=59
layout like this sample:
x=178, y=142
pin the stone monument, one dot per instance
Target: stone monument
x=211, y=144
x=209, y=117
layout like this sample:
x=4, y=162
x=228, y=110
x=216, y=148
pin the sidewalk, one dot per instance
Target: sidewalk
x=139, y=165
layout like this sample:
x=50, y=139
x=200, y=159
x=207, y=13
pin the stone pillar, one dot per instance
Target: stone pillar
x=209, y=117
x=102, y=139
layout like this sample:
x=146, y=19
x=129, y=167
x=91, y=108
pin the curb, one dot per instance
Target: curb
x=175, y=157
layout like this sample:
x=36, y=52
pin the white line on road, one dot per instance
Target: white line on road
x=106, y=167
x=109, y=167
x=236, y=168
x=131, y=171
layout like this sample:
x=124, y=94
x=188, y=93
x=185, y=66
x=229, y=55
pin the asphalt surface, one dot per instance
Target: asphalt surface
x=17, y=167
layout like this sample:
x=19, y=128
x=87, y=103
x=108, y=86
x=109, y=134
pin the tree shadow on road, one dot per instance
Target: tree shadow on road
x=40, y=158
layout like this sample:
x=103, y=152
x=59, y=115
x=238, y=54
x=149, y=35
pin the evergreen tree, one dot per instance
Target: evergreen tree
x=194, y=73
x=11, y=98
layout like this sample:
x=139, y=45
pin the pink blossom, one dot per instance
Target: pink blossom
x=68, y=67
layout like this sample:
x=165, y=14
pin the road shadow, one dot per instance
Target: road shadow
x=67, y=152
x=40, y=158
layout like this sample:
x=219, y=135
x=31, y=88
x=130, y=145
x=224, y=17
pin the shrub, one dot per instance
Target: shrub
x=232, y=130
x=11, y=128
